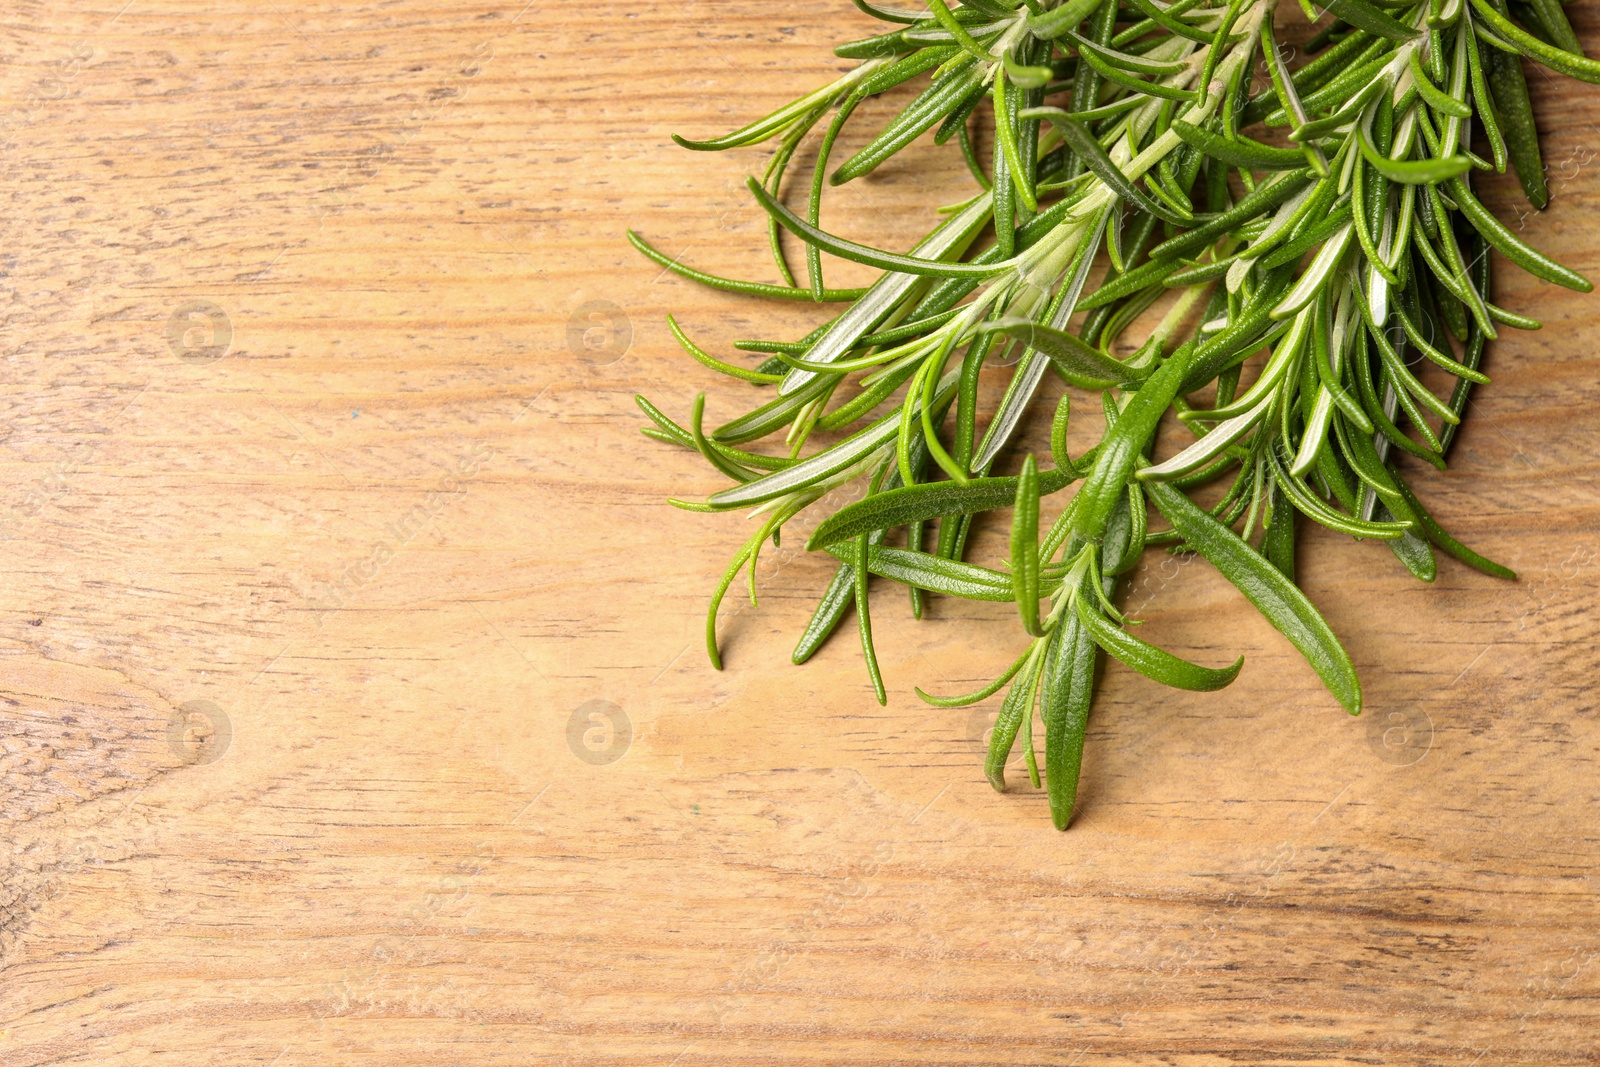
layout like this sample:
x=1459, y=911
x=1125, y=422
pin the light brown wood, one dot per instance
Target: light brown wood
x=305, y=644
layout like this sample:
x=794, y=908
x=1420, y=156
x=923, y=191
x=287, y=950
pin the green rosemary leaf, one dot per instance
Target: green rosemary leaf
x=1479, y=57
x=1510, y=246
x=1239, y=151
x=1311, y=236
x=951, y=237
x=773, y=415
x=1123, y=445
x=904, y=69
x=958, y=31
x=1026, y=77
x=670, y=432
x=836, y=600
x=777, y=122
x=1149, y=10
x=970, y=153
x=1207, y=448
x=1058, y=434
x=732, y=285
x=1140, y=278
x=1030, y=369
x=1436, y=534
x=1057, y=21
x=933, y=573
x=1243, y=334
x=928, y=500
x=1267, y=195
x=1008, y=138
x=1283, y=605
x=1412, y=551
x=1554, y=20
x=1509, y=88
x=824, y=465
x=864, y=618
x=1150, y=661
x=1113, y=73
x=1412, y=171
x=919, y=116
x=1414, y=334
x=1066, y=692
x=982, y=694
x=1082, y=365
x=882, y=46
x=1365, y=16
x=1014, y=710
x=1277, y=540
x=1133, y=64
x=1025, y=547
x=872, y=257
x=714, y=363
x=888, y=14
x=1507, y=33
x=713, y=455
x=1436, y=97
x=955, y=123
x=1088, y=149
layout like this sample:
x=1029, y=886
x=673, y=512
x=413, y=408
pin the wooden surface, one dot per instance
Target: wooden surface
x=352, y=706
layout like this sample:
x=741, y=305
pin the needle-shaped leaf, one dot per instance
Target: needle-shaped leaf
x=872, y=257
x=1026, y=77
x=1413, y=171
x=1516, y=136
x=1437, y=535
x=1365, y=16
x=837, y=599
x=921, y=115
x=1123, y=445
x=1239, y=151
x=1066, y=692
x=1025, y=547
x=982, y=694
x=1277, y=598
x=1088, y=149
x=1150, y=661
x=1266, y=196
x=1150, y=10
x=1207, y=448
x=928, y=500
x=1114, y=73
x=734, y=285
x=1017, y=707
x=1495, y=232
x=1082, y=365
x=824, y=465
x=1051, y=24
x=864, y=618
x=777, y=122
x=933, y=573
x=1508, y=33
x=716, y=364
x=1436, y=97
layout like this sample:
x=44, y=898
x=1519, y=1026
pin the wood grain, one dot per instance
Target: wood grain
x=304, y=643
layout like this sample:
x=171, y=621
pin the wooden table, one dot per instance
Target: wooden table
x=354, y=708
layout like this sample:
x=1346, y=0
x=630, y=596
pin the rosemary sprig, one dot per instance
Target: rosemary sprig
x=1349, y=255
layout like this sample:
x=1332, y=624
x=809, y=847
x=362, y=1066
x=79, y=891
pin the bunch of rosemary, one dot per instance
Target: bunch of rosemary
x=1349, y=255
